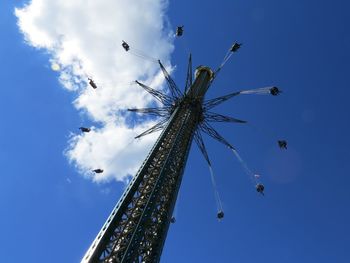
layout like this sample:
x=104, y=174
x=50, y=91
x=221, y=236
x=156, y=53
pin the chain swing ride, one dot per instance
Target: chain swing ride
x=137, y=227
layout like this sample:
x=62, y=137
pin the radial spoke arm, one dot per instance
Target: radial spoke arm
x=215, y=117
x=205, y=127
x=216, y=101
x=189, y=74
x=161, y=111
x=160, y=125
x=200, y=143
x=174, y=90
x=164, y=99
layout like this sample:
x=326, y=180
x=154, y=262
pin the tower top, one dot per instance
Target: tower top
x=203, y=78
x=204, y=68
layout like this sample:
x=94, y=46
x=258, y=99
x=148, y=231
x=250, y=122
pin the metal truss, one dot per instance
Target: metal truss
x=206, y=127
x=159, y=126
x=174, y=90
x=215, y=117
x=137, y=227
x=160, y=112
x=216, y=101
x=200, y=143
x=160, y=96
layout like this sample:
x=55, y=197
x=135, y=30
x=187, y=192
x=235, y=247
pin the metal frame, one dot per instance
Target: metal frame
x=137, y=227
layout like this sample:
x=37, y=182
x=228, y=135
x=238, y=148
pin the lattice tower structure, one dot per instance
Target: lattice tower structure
x=137, y=228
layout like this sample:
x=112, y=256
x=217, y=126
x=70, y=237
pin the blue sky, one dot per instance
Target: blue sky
x=51, y=213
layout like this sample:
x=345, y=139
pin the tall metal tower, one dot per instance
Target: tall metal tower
x=136, y=229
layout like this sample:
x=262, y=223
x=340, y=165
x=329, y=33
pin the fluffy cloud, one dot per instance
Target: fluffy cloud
x=84, y=40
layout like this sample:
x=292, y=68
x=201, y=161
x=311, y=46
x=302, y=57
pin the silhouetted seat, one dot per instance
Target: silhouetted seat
x=179, y=31
x=275, y=91
x=260, y=188
x=235, y=47
x=92, y=83
x=84, y=129
x=220, y=214
x=125, y=46
x=282, y=144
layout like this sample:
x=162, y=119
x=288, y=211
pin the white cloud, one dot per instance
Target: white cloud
x=84, y=40
x=112, y=148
